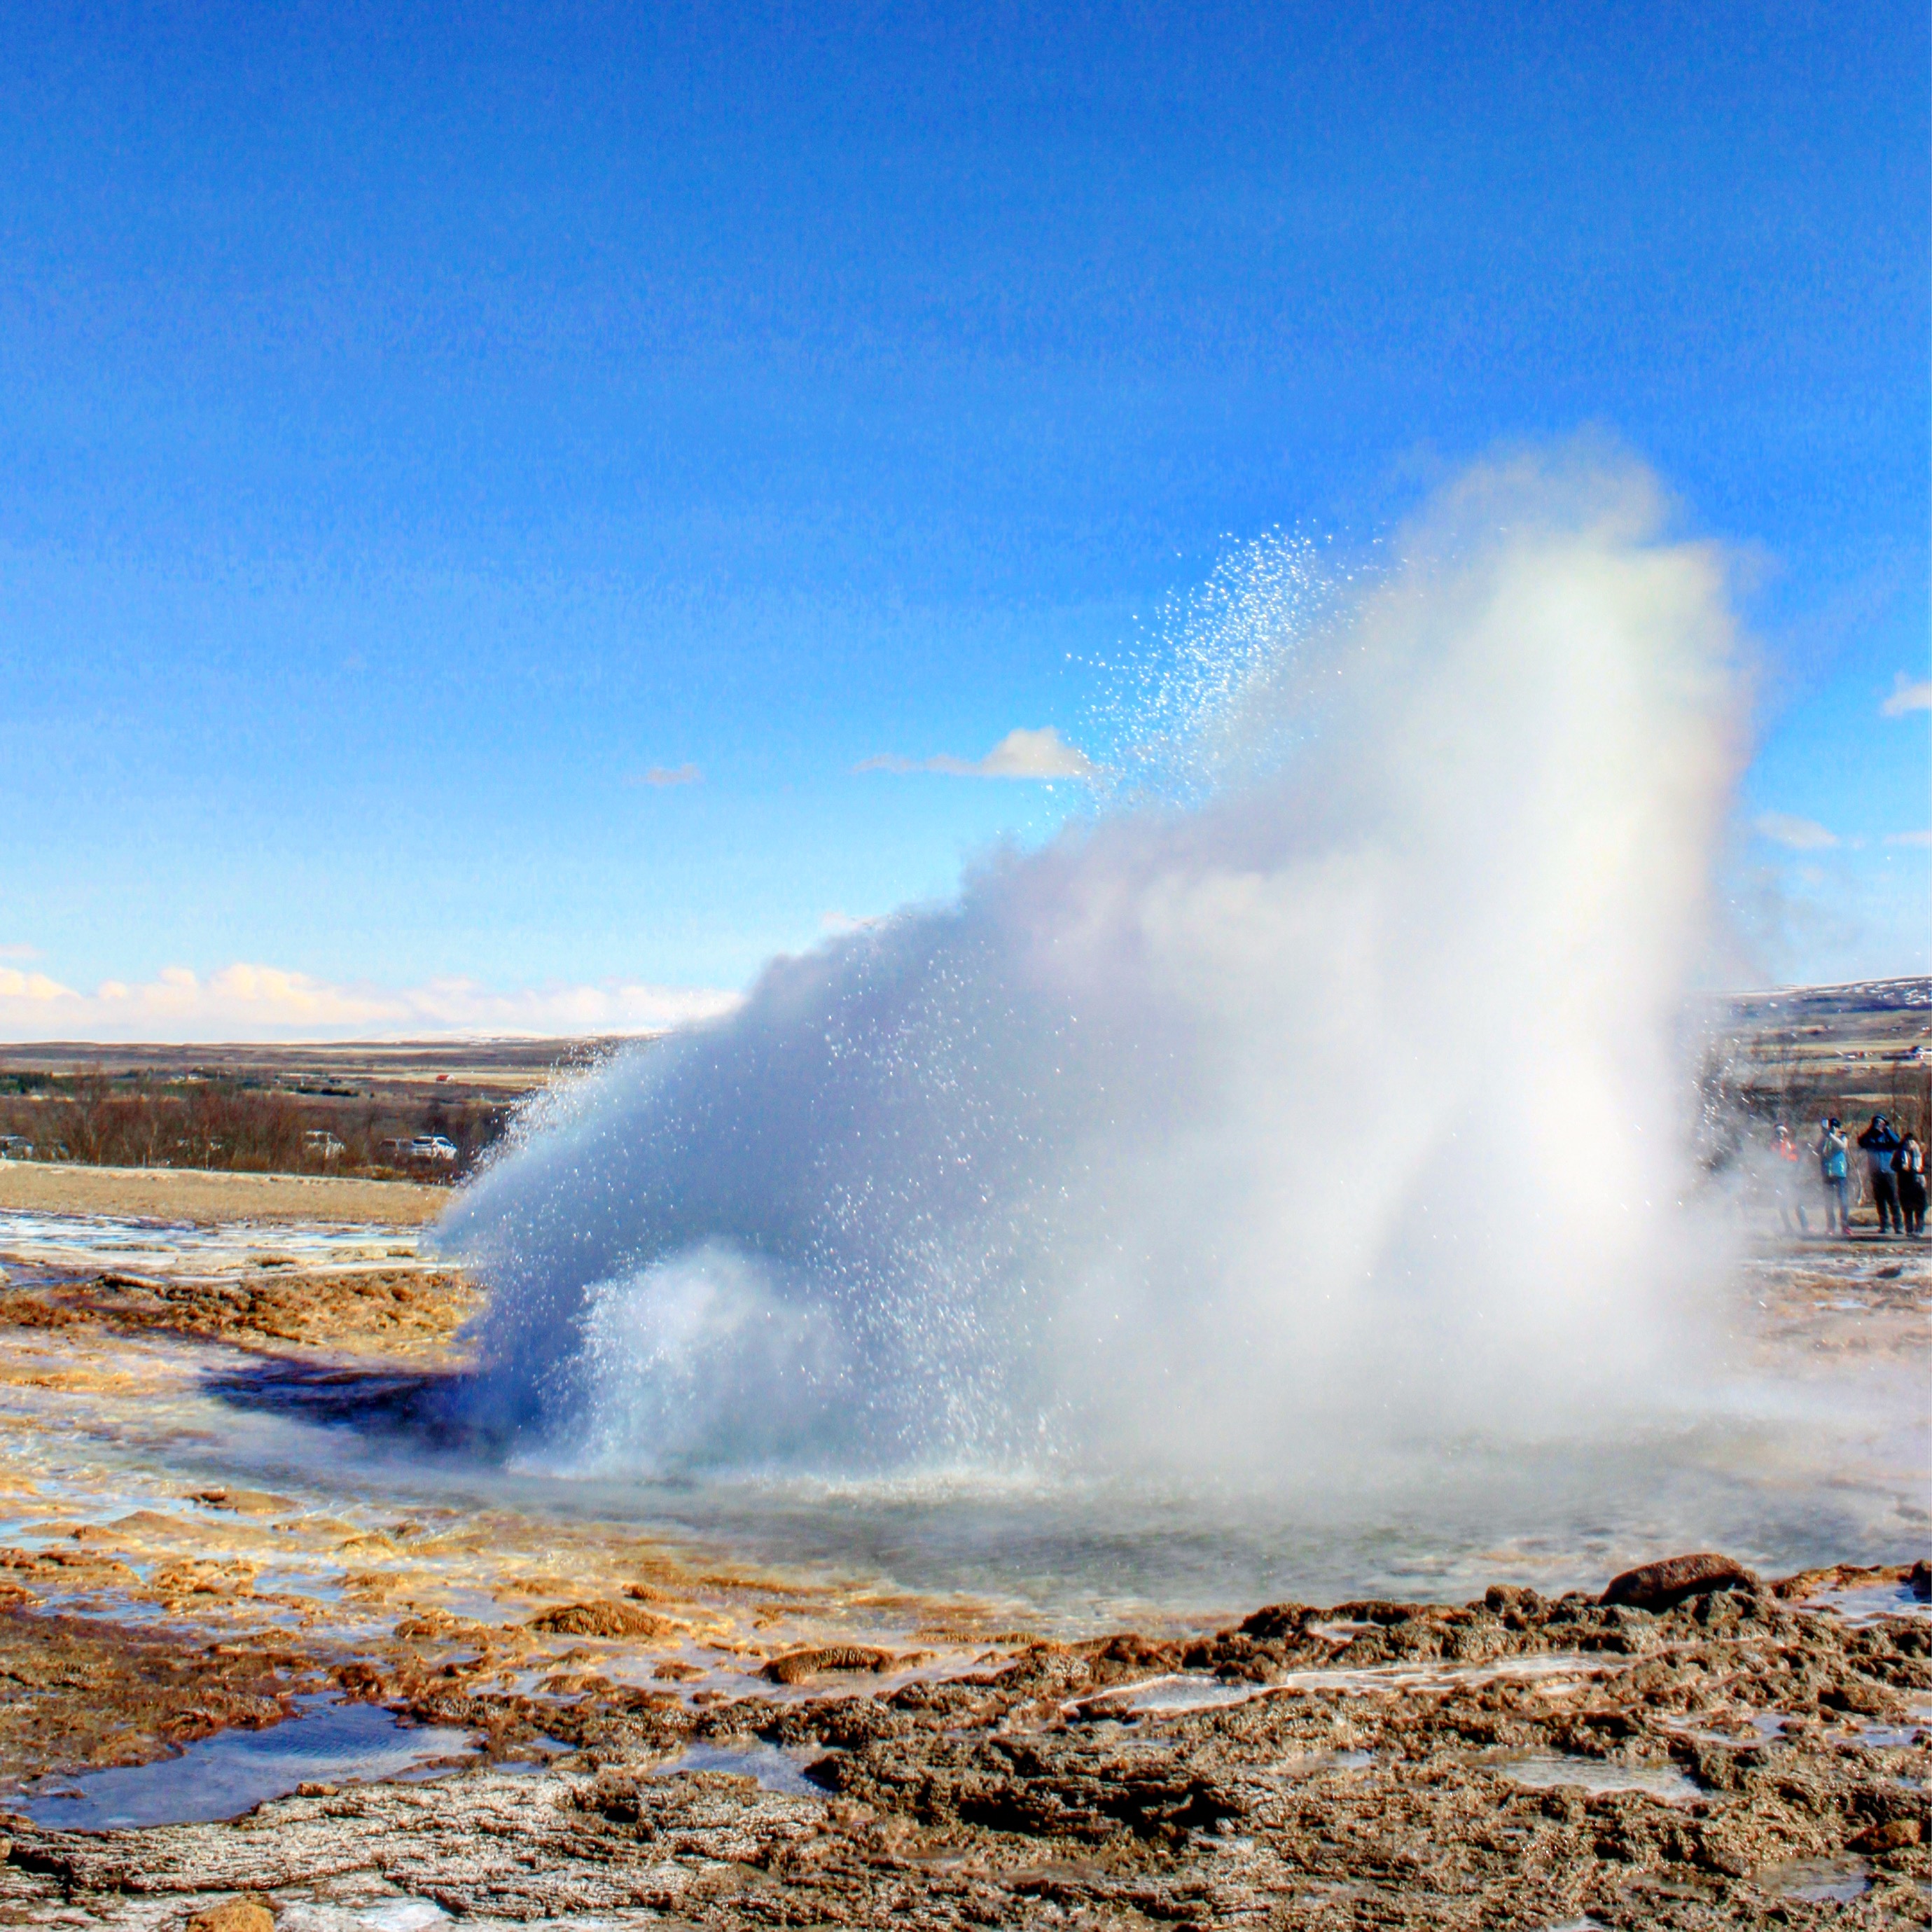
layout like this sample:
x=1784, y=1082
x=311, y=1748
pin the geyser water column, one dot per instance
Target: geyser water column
x=1332, y=1111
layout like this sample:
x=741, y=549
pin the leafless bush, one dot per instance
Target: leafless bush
x=236, y=1125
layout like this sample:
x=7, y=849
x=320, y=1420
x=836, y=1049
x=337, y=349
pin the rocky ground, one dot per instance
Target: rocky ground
x=1738, y=1758
x=653, y=1740
x=406, y=1313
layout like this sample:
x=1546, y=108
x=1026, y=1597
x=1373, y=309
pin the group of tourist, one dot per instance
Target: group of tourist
x=1895, y=1177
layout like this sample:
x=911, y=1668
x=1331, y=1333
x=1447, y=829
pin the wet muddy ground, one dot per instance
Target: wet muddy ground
x=495, y=1715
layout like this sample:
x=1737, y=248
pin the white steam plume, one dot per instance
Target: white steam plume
x=1333, y=1110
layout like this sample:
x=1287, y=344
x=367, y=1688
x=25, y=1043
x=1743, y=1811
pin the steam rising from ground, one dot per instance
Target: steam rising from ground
x=1315, y=1097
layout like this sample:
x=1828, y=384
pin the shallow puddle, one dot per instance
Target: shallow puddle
x=1544, y=1770
x=392, y=1915
x=1313, y=1764
x=1386, y=1679
x=1893, y=1737
x=1165, y=1695
x=1736, y=1730
x=1822, y=1881
x=775, y=1770
x=1864, y=1604
x=231, y=1773
x=182, y=1249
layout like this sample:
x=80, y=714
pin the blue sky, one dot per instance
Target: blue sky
x=418, y=425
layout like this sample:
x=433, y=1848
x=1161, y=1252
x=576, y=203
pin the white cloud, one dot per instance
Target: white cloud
x=19, y=953
x=32, y=988
x=1801, y=834
x=1908, y=837
x=1906, y=696
x=1022, y=754
x=244, y=1002
x=1034, y=754
x=667, y=774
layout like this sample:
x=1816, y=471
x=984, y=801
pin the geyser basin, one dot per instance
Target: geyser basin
x=1818, y=1451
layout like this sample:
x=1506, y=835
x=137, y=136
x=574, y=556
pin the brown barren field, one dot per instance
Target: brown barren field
x=190, y=1194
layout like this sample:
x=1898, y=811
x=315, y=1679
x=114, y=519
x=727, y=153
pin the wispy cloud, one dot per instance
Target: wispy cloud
x=244, y=1002
x=1801, y=835
x=19, y=953
x=1908, y=837
x=1907, y=696
x=667, y=775
x=1044, y=754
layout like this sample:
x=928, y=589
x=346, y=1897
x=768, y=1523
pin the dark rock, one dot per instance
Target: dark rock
x=1862, y=1699
x=1502, y=1597
x=602, y=1619
x=251, y=1914
x=797, y=1666
x=1129, y=1654
x=360, y=1681
x=1921, y=1579
x=1278, y=1620
x=1376, y=1610
x=1895, y=1835
x=1664, y=1585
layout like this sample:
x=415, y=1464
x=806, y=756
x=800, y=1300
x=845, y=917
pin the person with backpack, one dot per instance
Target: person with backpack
x=1835, y=1170
x=1881, y=1147
x=1909, y=1163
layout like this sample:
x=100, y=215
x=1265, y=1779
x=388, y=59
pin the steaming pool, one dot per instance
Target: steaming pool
x=119, y=1436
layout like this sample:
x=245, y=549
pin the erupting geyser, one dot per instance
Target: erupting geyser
x=1333, y=1109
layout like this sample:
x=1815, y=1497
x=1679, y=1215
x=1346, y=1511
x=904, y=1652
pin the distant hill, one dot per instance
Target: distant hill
x=1799, y=1051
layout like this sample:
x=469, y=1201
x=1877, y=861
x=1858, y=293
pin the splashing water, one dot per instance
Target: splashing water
x=1313, y=1100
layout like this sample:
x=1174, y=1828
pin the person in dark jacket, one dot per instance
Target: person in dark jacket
x=1910, y=1163
x=1881, y=1148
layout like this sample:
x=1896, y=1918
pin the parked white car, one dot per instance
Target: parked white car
x=432, y=1147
